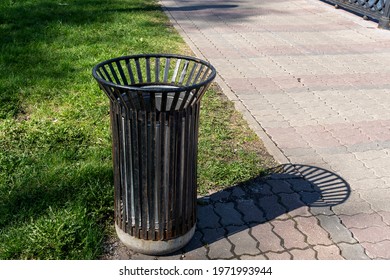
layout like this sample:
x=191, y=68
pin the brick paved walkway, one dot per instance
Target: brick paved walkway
x=313, y=82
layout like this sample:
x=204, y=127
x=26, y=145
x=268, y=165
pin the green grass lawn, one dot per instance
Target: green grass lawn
x=56, y=182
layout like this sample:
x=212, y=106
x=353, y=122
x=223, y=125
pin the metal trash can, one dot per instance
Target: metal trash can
x=154, y=102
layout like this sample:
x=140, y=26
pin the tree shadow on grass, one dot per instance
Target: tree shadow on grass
x=287, y=188
x=38, y=49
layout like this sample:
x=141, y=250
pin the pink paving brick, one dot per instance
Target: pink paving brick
x=301, y=211
x=362, y=220
x=371, y=234
x=378, y=250
x=264, y=84
x=385, y=216
x=291, y=143
x=322, y=140
x=268, y=241
x=249, y=257
x=343, y=129
x=309, y=129
x=375, y=130
x=355, y=139
x=292, y=238
x=328, y=252
x=354, y=80
x=306, y=254
x=240, y=85
x=279, y=256
x=314, y=233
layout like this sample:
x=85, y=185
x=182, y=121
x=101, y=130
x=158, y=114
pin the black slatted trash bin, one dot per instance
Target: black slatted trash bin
x=154, y=102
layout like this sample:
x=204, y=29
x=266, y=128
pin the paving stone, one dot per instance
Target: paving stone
x=298, y=152
x=219, y=196
x=369, y=184
x=261, y=189
x=251, y=213
x=378, y=198
x=207, y=217
x=314, y=233
x=257, y=257
x=309, y=160
x=311, y=198
x=301, y=185
x=331, y=252
x=306, y=254
x=243, y=241
x=385, y=216
x=303, y=211
x=138, y=256
x=321, y=211
x=379, y=250
x=173, y=256
x=371, y=155
x=280, y=186
x=238, y=192
x=271, y=207
x=353, y=251
x=278, y=256
x=220, y=249
x=371, y=234
x=291, y=201
x=362, y=220
x=211, y=235
x=352, y=208
x=229, y=215
x=337, y=231
x=268, y=240
x=195, y=250
x=292, y=238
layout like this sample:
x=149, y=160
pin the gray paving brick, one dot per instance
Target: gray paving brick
x=337, y=231
x=353, y=251
x=362, y=220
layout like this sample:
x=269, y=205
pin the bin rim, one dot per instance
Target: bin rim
x=156, y=90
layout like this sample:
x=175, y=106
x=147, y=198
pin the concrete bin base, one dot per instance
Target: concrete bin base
x=152, y=247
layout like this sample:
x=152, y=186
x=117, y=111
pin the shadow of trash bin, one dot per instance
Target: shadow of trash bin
x=154, y=108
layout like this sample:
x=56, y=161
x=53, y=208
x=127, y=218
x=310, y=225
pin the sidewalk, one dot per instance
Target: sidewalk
x=314, y=83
